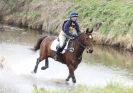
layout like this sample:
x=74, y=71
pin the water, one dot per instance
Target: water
x=105, y=65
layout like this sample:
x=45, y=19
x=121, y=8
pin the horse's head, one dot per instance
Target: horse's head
x=87, y=40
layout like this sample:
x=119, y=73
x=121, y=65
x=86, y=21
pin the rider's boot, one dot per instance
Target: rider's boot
x=59, y=49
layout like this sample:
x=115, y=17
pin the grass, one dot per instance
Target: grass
x=43, y=15
x=110, y=88
x=116, y=17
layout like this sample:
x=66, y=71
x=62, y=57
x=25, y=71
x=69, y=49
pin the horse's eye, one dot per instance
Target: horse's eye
x=90, y=36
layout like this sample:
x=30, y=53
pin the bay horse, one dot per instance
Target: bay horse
x=71, y=59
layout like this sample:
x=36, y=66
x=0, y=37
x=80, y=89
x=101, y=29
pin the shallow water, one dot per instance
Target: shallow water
x=103, y=66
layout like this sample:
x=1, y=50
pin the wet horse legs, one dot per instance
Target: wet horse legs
x=44, y=67
x=46, y=64
x=36, y=66
x=71, y=74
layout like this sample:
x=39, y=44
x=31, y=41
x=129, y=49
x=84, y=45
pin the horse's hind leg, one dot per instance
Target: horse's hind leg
x=36, y=66
x=46, y=64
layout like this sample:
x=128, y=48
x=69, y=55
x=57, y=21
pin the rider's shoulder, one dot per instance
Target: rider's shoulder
x=67, y=22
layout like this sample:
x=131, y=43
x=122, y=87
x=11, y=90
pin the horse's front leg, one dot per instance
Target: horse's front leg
x=69, y=76
x=71, y=73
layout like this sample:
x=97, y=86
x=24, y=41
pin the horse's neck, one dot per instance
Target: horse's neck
x=80, y=51
x=78, y=48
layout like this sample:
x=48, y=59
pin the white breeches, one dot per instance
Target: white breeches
x=62, y=39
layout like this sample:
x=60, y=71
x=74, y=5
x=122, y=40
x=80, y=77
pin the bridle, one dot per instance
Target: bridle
x=78, y=41
x=82, y=45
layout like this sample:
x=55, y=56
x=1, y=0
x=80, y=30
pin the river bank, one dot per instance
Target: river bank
x=115, y=17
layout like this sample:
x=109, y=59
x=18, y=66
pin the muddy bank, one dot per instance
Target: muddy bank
x=43, y=15
x=48, y=16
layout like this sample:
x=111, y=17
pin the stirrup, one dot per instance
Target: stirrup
x=71, y=49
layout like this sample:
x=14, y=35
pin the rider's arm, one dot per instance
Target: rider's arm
x=66, y=28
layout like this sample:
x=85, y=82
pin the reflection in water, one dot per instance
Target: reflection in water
x=117, y=60
x=58, y=84
x=18, y=36
x=101, y=67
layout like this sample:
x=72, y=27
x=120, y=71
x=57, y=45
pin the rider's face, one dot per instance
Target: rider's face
x=74, y=18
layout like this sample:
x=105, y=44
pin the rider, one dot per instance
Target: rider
x=70, y=29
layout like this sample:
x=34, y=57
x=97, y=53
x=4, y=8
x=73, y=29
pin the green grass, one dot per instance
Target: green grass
x=114, y=14
x=110, y=88
x=116, y=17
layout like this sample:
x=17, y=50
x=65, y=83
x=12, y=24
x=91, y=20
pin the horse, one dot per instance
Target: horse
x=71, y=59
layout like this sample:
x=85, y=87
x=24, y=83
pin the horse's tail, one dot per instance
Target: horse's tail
x=37, y=46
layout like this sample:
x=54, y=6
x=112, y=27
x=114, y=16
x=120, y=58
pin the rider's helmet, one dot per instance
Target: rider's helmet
x=73, y=14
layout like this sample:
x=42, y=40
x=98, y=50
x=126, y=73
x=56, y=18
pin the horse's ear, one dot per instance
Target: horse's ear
x=89, y=30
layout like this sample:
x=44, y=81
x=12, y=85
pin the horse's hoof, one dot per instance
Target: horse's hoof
x=43, y=68
x=74, y=81
x=67, y=79
x=33, y=72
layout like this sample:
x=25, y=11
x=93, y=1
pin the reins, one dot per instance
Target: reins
x=82, y=45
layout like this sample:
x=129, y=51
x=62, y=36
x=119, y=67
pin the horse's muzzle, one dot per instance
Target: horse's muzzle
x=89, y=50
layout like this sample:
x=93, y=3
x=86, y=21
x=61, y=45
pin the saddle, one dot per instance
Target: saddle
x=68, y=46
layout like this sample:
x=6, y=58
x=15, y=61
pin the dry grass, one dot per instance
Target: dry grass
x=43, y=15
x=48, y=16
x=116, y=19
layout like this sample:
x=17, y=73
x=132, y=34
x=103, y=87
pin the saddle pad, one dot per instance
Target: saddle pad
x=55, y=43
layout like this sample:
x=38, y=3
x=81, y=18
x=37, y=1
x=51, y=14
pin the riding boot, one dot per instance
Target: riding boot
x=59, y=49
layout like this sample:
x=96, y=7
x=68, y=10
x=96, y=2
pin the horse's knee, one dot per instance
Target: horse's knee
x=39, y=60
